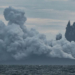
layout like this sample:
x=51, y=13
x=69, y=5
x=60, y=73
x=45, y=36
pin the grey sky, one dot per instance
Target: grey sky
x=53, y=14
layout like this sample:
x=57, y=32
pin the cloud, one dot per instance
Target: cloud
x=17, y=42
x=14, y=16
x=58, y=52
x=59, y=36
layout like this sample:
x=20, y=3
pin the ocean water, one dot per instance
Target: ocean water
x=37, y=70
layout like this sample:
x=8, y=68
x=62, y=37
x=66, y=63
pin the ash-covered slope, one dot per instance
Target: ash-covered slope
x=19, y=45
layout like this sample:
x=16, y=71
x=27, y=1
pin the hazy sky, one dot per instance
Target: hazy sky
x=46, y=16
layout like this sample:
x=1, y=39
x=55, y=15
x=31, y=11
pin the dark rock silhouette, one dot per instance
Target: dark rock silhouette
x=70, y=32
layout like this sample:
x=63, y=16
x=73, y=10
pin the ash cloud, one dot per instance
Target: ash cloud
x=70, y=32
x=17, y=42
x=14, y=16
x=59, y=36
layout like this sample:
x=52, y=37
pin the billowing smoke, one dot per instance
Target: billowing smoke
x=59, y=36
x=17, y=42
x=14, y=16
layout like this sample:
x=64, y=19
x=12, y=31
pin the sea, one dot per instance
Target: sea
x=37, y=69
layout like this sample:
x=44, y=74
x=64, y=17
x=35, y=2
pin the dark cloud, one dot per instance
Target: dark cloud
x=14, y=16
x=70, y=32
x=59, y=36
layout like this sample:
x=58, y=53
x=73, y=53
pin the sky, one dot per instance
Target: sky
x=46, y=16
x=21, y=38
